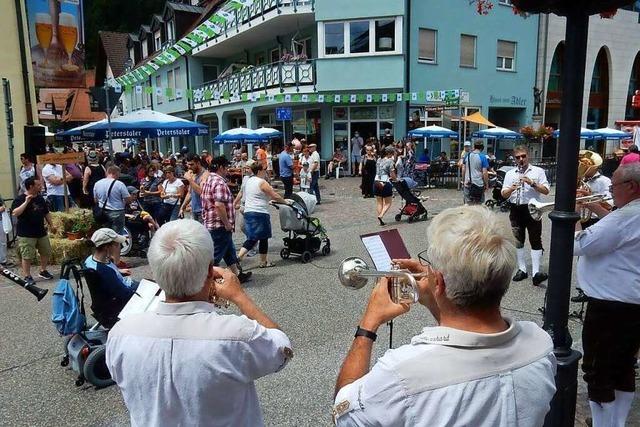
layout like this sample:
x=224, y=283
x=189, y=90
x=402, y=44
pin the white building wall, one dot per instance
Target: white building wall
x=620, y=36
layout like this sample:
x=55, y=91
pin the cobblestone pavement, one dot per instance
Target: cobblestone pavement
x=315, y=311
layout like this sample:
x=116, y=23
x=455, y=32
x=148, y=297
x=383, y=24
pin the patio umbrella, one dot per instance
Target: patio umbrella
x=584, y=134
x=497, y=133
x=238, y=136
x=75, y=134
x=478, y=118
x=269, y=132
x=145, y=124
x=433, y=131
x=608, y=133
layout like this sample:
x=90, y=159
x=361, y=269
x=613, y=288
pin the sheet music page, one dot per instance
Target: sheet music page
x=378, y=252
x=143, y=298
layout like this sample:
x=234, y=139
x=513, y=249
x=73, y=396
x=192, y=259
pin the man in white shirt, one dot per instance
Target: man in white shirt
x=185, y=363
x=475, y=368
x=314, y=168
x=608, y=272
x=55, y=178
x=521, y=185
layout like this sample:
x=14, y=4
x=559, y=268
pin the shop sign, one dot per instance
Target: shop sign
x=515, y=101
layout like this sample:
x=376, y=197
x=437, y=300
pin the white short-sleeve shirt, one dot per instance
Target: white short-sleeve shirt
x=527, y=193
x=449, y=377
x=185, y=364
x=48, y=171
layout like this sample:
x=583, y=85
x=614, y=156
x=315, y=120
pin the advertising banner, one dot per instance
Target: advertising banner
x=56, y=37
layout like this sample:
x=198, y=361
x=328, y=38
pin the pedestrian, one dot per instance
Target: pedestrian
x=55, y=178
x=305, y=178
x=4, y=261
x=522, y=185
x=195, y=176
x=201, y=365
x=285, y=163
x=261, y=155
x=31, y=210
x=382, y=188
x=475, y=175
x=357, y=143
x=387, y=138
x=150, y=193
x=632, y=156
x=93, y=172
x=314, y=168
x=171, y=192
x=257, y=218
x=368, y=171
x=110, y=199
x=218, y=216
x=487, y=365
x=28, y=169
x=607, y=272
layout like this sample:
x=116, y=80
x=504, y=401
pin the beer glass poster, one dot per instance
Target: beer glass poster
x=57, y=42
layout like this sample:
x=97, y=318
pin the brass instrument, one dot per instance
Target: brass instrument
x=588, y=161
x=537, y=209
x=354, y=274
x=214, y=298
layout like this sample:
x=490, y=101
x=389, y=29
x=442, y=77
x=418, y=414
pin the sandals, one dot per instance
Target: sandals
x=266, y=265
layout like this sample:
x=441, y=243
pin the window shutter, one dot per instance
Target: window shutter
x=467, y=51
x=506, y=49
x=427, y=44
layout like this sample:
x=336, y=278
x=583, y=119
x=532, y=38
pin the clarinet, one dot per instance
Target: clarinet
x=29, y=286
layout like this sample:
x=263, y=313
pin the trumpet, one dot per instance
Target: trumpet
x=537, y=209
x=354, y=273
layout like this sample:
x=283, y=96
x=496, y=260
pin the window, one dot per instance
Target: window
x=157, y=39
x=505, y=2
x=176, y=82
x=147, y=96
x=467, y=50
x=145, y=50
x=171, y=84
x=359, y=36
x=427, y=45
x=306, y=47
x=171, y=30
x=334, y=38
x=159, y=97
x=385, y=34
x=261, y=58
x=506, y=56
x=209, y=73
x=132, y=55
x=275, y=55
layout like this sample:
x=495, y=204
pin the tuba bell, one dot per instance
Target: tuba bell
x=588, y=163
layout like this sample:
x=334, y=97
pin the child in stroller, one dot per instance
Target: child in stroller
x=413, y=207
x=495, y=182
x=305, y=233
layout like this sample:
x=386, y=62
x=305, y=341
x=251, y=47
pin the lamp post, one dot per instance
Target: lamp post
x=564, y=217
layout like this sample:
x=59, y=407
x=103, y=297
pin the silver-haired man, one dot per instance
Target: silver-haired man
x=185, y=363
x=476, y=367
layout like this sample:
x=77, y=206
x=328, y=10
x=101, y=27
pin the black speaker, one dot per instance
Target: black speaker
x=34, y=141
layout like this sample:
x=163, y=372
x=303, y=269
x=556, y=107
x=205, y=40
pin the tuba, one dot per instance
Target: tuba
x=588, y=163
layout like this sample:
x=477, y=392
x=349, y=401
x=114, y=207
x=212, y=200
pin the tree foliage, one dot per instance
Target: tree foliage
x=115, y=15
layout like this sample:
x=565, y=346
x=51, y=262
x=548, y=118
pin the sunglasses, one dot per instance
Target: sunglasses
x=522, y=156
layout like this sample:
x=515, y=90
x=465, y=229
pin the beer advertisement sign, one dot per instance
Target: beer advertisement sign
x=56, y=36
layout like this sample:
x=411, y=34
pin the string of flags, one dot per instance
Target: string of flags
x=210, y=28
x=448, y=97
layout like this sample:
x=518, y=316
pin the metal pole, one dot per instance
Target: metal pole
x=106, y=91
x=6, y=87
x=563, y=218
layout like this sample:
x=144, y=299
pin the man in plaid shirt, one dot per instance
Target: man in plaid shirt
x=218, y=215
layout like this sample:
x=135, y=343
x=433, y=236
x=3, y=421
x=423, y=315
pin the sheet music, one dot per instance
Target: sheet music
x=378, y=252
x=147, y=297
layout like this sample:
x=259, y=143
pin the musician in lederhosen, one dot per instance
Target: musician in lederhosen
x=521, y=185
x=593, y=182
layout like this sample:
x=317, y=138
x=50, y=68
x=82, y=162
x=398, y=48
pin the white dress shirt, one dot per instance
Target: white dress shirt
x=527, y=192
x=609, y=263
x=599, y=184
x=48, y=171
x=448, y=377
x=187, y=365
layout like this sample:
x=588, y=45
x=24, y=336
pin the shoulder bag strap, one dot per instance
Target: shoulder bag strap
x=104, y=205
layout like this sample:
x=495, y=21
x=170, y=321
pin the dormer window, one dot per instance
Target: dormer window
x=132, y=54
x=171, y=30
x=145, y=50
x=157, y=40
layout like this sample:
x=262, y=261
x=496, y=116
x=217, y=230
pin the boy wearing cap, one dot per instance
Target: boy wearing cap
x=106, y=241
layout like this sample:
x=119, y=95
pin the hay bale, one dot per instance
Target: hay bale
x=62, y=249
x=65, y=221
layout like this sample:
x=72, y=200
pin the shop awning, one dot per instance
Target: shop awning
x=477, y=118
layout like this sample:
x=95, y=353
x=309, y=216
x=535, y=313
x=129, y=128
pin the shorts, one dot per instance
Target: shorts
x=115, y=221
x=27, y=247
x=382, y=189
x=356, y=157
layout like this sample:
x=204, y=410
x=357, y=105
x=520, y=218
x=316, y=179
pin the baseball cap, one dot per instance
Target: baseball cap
x=92, y=156
x=250, y=163
x=104, y=236
x=467, y=143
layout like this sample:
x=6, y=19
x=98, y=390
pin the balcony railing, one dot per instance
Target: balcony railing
x=278, y=75
x=260, y=8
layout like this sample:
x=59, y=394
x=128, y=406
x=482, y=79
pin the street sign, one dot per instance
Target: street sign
x=61, y=158
x=283, y=114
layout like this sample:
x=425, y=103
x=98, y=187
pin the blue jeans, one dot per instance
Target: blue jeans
x=223, y=247
x=315, y=189
x=57, y=203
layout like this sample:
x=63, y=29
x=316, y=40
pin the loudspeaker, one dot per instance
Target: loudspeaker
x=34, y=140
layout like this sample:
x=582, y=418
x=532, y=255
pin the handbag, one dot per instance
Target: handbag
x=99, y=214
x=7, y=225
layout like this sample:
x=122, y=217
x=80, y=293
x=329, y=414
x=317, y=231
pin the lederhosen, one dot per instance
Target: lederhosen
x=522, y=223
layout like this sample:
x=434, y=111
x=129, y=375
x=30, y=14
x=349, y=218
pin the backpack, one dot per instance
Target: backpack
x=67, y=312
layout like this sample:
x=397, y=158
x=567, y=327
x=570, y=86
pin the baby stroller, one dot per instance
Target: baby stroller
x=413, y=207
x=495, y=182
x=306, y=234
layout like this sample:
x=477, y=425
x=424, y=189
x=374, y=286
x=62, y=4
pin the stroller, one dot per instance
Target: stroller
x=413, y=207
x=496, y=182
x=306, y=234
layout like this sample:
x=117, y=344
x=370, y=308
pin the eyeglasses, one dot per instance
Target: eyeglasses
x=612, y=186
x=422, y=257
x=522, y=156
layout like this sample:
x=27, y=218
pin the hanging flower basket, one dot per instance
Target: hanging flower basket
x=542, y=134
x=566, y=7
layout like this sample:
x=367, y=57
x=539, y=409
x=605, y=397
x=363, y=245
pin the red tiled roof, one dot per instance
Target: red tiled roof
x=78, y=104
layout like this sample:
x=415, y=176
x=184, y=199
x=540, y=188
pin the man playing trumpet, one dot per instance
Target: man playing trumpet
x=521, y=185
x=476, y=367
x=184, y=363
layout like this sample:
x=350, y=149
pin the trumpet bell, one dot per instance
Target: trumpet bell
x=537, y=209
x=347, y=273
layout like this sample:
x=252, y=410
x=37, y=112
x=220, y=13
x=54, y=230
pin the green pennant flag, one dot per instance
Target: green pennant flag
x=225, y=95
x=168, y=92
x=377, y=97
x=175, y=53
x=148, y=90
x=361, y=97
x=185, y=46
x=313, y=98
x=244, y=97
x=279, y=98
x=207, y=94
x=189, y=93
x=296, y=98
x=345, y=98
x=406, y=97
x=128, y=89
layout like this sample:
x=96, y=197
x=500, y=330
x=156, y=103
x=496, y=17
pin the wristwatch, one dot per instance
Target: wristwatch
x=360, y=332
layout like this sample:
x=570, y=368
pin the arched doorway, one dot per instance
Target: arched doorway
x=598, y=112
x=553, y=100
x=634, y=84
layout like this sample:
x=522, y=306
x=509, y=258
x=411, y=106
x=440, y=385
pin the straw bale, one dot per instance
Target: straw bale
x=62, y=249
